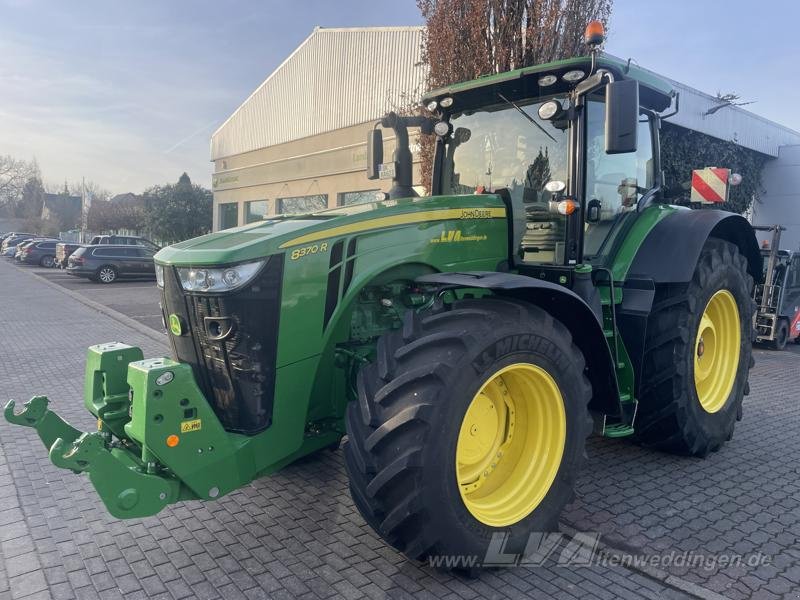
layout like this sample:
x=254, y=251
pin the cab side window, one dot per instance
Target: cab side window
x=616, y=181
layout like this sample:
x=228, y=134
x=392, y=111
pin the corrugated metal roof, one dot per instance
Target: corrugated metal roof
x=344, y=76
x=336, y=78
x=730, y=123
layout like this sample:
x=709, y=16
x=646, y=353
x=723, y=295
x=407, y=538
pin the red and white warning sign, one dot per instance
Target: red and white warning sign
x=710, y=185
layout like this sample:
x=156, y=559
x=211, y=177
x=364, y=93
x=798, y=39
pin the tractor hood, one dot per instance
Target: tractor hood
x=275, y=235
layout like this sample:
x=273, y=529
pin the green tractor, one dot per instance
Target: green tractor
x=466, y=343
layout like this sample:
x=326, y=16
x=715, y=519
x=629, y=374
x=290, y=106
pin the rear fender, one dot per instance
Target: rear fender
x=683, y=234
x=564, y=305
x=668, y=256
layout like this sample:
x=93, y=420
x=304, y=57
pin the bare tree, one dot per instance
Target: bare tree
x=466, y=39
x=469, y=38
x=92, y=189
x=14, y=174
x=104, y=217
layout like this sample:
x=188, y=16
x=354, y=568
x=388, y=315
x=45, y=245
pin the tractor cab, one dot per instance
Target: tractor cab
x=572, y=146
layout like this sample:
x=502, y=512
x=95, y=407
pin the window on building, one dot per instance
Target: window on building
x=228, y=215
x=255, y=210
x=348, y=198
x=302, y=204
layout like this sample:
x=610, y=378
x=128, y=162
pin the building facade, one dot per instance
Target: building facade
x=299, y=141
x=780, y=202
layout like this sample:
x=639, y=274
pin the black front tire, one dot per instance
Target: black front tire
x=47, y=262
x=403, y=431
x=670, y=415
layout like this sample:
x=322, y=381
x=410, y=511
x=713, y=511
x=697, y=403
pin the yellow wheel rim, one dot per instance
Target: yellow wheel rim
x=510, y=444
x=716, y=351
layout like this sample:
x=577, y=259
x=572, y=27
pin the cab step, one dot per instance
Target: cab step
x=617, y=430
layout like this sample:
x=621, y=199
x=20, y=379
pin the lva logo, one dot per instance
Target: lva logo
x=455, y=235
x=541, y=547
x=577, y=550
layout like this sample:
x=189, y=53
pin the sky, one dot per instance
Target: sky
x=127, y=93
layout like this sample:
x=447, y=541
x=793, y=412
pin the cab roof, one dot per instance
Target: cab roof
x=654, y=92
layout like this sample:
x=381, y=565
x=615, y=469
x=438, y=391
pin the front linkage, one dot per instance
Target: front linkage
x=158, y=440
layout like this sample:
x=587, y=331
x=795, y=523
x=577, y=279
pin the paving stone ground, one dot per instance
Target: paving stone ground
x=297, y=534
x=741, y=501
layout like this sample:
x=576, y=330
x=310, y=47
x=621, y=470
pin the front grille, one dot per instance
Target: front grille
x=231, y=344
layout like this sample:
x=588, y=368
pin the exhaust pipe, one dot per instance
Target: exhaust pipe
x=402, y=159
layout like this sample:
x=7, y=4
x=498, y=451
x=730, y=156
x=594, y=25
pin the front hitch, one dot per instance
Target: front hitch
x=158, y=439
x=47, y=424
x=123, y=484
x=128, y=478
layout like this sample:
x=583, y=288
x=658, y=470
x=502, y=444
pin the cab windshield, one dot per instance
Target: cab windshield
x=496, y=148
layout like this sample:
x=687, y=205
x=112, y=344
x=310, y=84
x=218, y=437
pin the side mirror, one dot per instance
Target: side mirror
x=374, y=153
x=593, y=211
x=622, y=116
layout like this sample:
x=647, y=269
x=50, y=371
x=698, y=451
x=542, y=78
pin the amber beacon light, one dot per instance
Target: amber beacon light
x=595, y=33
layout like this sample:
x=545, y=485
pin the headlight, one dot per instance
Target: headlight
x=160, y=275
x=442, y=128
x=550, y=110
x=202, y=279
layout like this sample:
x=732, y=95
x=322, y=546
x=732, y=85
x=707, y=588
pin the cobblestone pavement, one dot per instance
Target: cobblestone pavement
x=743, y=500
x=297, y=534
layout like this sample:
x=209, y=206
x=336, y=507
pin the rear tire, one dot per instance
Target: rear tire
x=781, y=335
x=415, y=470
x=106, y=274
x=684, y=407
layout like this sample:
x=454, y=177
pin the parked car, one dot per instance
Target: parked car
x=24, y=244
x=106, y=263
x=18, y=248
x=63, y=251
x=38, y=252
x=15, y=238
x=129, y=240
